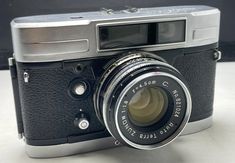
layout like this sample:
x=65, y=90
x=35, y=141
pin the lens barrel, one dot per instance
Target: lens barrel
x=143, y=101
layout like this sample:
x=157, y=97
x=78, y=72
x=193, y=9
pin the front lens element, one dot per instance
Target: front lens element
x=147, y=106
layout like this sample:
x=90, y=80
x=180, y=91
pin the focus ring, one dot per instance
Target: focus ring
x=171, y=137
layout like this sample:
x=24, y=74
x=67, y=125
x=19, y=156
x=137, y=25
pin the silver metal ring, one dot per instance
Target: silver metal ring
x=105, y=76
x=118, y=78
x=182, y=125
x=113, y=66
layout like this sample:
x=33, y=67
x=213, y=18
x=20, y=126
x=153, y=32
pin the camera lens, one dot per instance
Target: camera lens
x=142, y=101
x=147, y=106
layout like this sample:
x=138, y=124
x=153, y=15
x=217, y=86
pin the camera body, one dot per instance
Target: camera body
x=71, y=73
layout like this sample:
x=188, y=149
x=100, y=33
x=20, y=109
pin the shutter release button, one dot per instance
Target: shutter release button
x=80, y=88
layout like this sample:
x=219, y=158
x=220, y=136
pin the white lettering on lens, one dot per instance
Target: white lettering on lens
x=178, y=107
x=124, y=106
x=127, y=127
x=177, y=112
x=148, y=136
x=123, y=117
x=171, y=124
x=178, y=104
x=166, y=128
x=165, y=84
x=124, y=122
x=133, y=133
x=144, y=84
x=175, y=91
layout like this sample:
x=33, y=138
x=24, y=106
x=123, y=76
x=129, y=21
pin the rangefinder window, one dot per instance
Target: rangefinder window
x=170, y=32
x=123, y=36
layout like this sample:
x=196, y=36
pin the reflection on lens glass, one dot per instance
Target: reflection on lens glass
x=148, y=106
x=169, y=32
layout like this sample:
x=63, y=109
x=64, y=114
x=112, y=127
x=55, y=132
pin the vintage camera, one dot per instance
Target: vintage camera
x=92, y=80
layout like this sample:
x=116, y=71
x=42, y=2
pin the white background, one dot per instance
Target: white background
x=213, y=145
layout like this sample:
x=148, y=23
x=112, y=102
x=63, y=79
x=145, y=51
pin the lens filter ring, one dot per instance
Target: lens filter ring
x=165, y=130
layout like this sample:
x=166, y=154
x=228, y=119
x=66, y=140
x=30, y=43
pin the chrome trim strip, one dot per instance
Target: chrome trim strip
x=197, y=126
x=98, y=144
x=69, y=148
x=11, y=61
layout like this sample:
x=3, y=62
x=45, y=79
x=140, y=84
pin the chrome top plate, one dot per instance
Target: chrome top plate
x=47, y=38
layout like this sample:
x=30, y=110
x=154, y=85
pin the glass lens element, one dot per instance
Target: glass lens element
x=170, y=32
x=148, y=106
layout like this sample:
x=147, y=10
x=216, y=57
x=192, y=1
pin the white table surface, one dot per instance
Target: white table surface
x=213, y=145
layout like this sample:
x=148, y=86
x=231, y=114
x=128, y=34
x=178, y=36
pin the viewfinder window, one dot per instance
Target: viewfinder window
x=170, y=32
x=134, y=35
